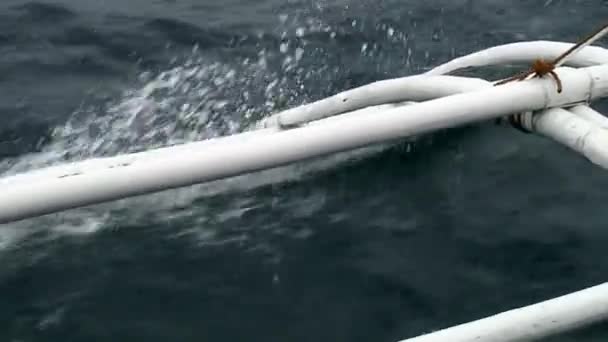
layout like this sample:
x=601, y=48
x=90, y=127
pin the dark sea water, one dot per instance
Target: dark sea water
x=378, y=245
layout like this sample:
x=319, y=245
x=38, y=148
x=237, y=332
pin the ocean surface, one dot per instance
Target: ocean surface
x=378, y=245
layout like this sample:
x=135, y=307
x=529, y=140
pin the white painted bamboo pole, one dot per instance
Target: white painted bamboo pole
x=583, y=132
x=96, y=164
x=416, y=88
x=420, y=89
x=93, y=164
x=531, y=323
x=591, y=115
x=523, y=52
x=575, y=132
x=410, y=88
x=216, y=161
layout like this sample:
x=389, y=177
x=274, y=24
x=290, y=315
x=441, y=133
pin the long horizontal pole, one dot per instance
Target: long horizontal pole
x=531, y=323
x=216, y=161
x=579, y=134
x=523, y=52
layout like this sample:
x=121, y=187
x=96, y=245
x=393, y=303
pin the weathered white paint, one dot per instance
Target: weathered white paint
x=182, y=166
x=531, y=323
x=574, y=131
x=410, y=88
x=525, y=53
x=590, y=114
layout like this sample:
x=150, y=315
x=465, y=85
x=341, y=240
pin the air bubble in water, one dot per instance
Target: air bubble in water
x=436, y=35
x=299, y=53
x=283, y=47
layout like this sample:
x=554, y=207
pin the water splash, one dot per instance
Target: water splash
x=198, y=96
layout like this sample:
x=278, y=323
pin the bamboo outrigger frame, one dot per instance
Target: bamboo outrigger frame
x=377, y=113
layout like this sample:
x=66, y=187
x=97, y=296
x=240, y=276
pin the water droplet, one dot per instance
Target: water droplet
x=283, y=47
x=436, y=35
x=299, y=53
x=271, y=85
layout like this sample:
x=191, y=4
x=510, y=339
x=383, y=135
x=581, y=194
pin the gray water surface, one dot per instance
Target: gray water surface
x=378, y=245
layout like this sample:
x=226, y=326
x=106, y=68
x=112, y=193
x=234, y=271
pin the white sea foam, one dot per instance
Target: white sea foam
x=197, y=97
